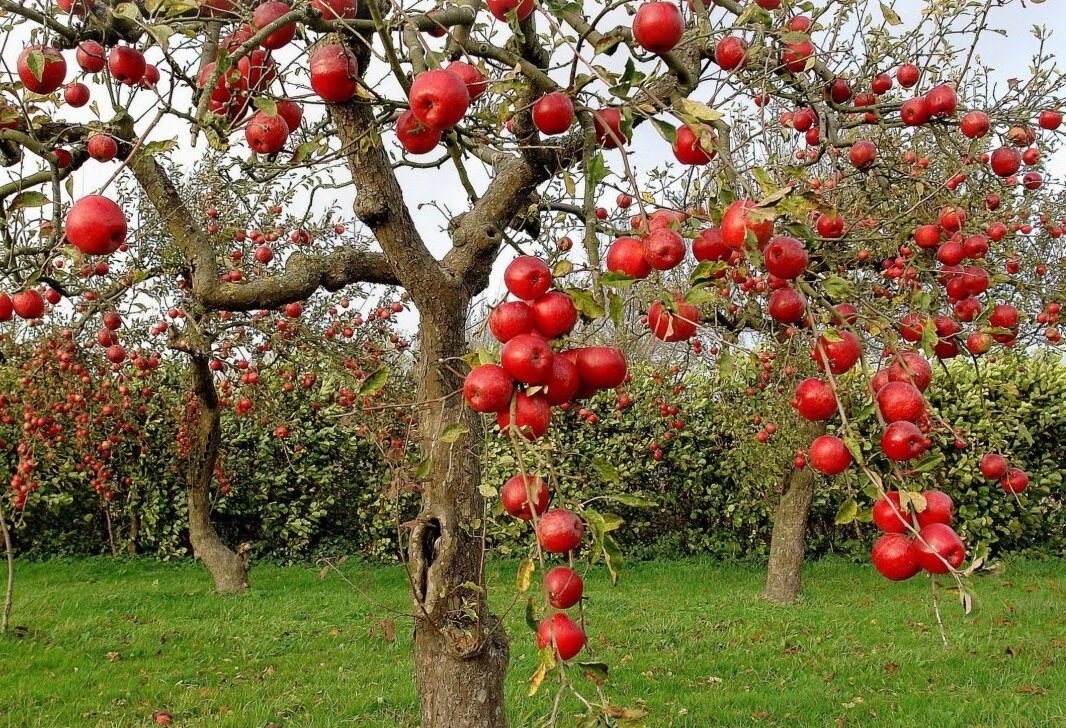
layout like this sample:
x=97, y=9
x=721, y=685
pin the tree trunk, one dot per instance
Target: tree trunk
x=784, y=573
x=461, y=652
x=9, y=585
x=228, y=569
x=133, y=504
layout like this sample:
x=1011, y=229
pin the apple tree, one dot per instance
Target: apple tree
x=850, y=192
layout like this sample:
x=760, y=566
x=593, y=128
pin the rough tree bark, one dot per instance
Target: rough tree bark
x=461, y=651
x=229, y=569
x=784, y=572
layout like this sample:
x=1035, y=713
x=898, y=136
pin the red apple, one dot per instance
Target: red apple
x=42, y=69
x=893, y=556
x=553, y=113
x=95, y=225
x=527, y=277
x=334, y=71
x=814, y=400
x=937, y=544
x=560, y=530
x=488, y=388
x=522, y=495
x=532, y=416
x=266, y=134
x=267, y=13
x=658, y=26
x=829, y=455
x=414, y=136
x=527, y=358
x=664, y=249
x=563, y=632
x=554, y=314
x=902, y=440
x=626, y=256
x=126, y=65
x=510, y=319
x=564, y=587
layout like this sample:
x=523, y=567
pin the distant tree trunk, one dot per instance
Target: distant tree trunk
x=133, y=504
x=461, y=651
x=9, y=588
x=228, y=569
x=784, y=573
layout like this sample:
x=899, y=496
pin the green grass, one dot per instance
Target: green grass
x=106, y=643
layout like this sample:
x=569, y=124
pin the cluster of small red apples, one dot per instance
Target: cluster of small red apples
x=534, y=375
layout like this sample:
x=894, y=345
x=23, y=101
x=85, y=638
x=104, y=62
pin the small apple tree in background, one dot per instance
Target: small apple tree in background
x=852, y=197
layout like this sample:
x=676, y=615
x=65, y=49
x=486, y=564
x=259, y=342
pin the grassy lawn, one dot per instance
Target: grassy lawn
x=107, y=643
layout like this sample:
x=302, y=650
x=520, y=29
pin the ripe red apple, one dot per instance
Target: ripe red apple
x=804, y=118
x=500, y=9
x=476, y=83
x=795, y=55
x=527, y=277
x=708, y=245
x=830, y=225
x=814, y=400
x=414, y=136
x=893, y=557
x=42, y=69
x=740, y=218
x=336, y=9
x=993, y=466
x=608, y=125
x=902, y=440
x=601, y=367
x=974, y=125
x=937, y=544
x=564, y=587
x=689, y=148
x=669, y=326
x=522, y=495
x=881, y=84
x=102, y=148
x=1006, y=161
x=730, y=53
x=900, y=401
x=863, y=154
x=560, y=530
x=664, y=249
x=488, y=388
x=266, y=134
x=841, y=348
x=553, y=113
x=76, y=94
x=439, y=99
x=889, y=515
x=914, y=112
x=264, y=254
x=829, y=455
x=533, y=415
x=91, y=56
x=907, y=75
x=95, y=225
x=267, y=13
x=554, y=314
x=563, y=632
x=786, y=305
x=1050, y=120
x=334, y=71
x=291, y=112
x=7, y=310
x=510, y=319
x=1015, y=480
x=658, y=26
x=939, y=508
x=28, y=304
x=785, y=257
x=942, y=100
x=527, y=358
x=564, y=381
x=126, y=65
x=626, y=256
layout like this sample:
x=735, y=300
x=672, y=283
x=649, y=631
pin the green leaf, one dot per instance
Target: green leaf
x=697, y=110
x=930, y=462
x=30, y=198
x=847, y=512
x=891, y=16
x=569, y=185
x=606, y=470
x=836, y=287
x=707, y=271
x=562, y=268
x=129, y=11
x=487, y=491
x=525, y=575
x=616, y=306
x=453, y=432
x=374, y=382
x=589, y=307
x=634, y=501
x=267, y=105
x=617, y=280
x=422, y=471
x=35, y=62
x=666, y=131
x=701, y=295
x=531, y=614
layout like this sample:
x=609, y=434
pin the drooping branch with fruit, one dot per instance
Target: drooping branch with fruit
x=897, y=232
